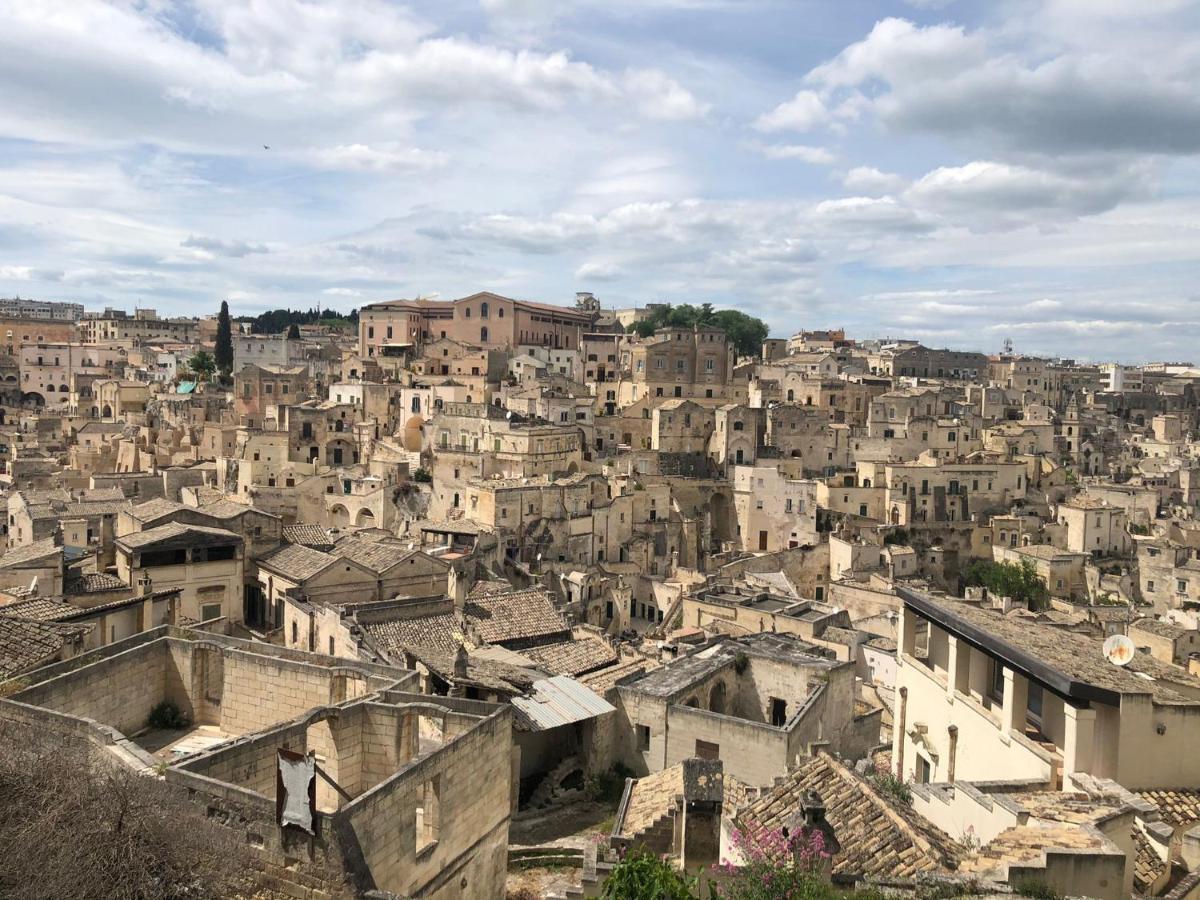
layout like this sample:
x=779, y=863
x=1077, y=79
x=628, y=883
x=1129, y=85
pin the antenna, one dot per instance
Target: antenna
x=1119, y=650
x=1008, y=345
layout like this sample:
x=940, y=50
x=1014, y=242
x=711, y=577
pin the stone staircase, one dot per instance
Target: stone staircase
x=659, y=837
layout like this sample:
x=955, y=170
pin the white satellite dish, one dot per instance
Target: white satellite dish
x=1119, y=649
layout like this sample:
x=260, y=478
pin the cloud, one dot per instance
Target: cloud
x=29, y=273
x=817, y=156
x=660, y=97
x=869, y=180
x=988, y=192
x=598, y=271
x=804, y=112
x=362, y=158
x=219, y=247
x=946, y=80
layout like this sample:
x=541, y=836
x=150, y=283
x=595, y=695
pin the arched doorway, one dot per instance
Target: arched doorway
x=366, y=519
x=716, y=698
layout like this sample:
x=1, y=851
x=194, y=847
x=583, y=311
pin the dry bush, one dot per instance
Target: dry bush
x=70, y=827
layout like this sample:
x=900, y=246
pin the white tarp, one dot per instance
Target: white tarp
x=297, y=775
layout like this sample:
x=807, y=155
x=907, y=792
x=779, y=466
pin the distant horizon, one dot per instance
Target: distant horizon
x=948, y=170
x=889, y=338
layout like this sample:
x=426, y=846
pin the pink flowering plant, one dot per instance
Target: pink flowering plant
x=775, y=866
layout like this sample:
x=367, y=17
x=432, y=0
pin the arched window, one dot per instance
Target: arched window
x=739, y=426
x=483, y=334
x=483, y=310
x=467, y=312
x=791, y=396
x=500, y=313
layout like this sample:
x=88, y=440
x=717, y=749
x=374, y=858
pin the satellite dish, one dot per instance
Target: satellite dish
x=1119, y=649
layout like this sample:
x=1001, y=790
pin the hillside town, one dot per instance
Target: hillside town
x=481, y=597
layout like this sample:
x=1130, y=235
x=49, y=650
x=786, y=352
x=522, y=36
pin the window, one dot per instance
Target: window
x=778, y=712
x=1181, y=586
x=643, y=733
x=428, y=813
x=707, y=750
x=210, y=611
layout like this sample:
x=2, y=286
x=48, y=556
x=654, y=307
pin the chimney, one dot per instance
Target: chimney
x=460, y=661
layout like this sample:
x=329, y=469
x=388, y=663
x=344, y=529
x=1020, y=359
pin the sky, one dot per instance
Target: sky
x=957, y=172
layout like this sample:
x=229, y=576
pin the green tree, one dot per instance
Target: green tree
x=1006, y=579
x=202, y=364
x=224, y=360
x=746, y=333
x=293, y=333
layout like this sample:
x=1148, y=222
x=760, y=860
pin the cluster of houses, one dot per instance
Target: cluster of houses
x=479, y=551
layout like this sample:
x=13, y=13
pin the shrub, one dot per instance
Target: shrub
x=889, y=785
x=740, y=661
x=643, y=876
x=422, y=476
x=1036, y=889
x=776, y=865
x=69, y=828
x=168, y=716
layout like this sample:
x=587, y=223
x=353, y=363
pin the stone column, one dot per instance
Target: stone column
x=1078, y=753
x=958, y=668
x=1016, y=696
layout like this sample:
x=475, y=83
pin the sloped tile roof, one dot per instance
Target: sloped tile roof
x=515, y=615
x=438, y=632
x=604, y=680
x=573, y=657
x=877, y=836
x=308, y=535
x=24, y=645
x=175, y=534
x=16, y=557
x=94, y=583
x=1180, y=806
x=296, y=561
x=376, y=556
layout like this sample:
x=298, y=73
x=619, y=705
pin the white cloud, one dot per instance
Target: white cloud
x=817, y=156
x=869, y=180
x=598, y=271
x=363, y=158
x=804, y=112
x=221, y=247
x=660, y=97
x=998, y=193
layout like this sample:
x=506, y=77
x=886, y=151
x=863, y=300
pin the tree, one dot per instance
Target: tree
x=746, y=333
x=224, y=360
x=293, y=332
x=1006, y=579
x=202, y=364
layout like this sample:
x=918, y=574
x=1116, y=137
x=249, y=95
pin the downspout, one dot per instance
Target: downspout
x=903, y=715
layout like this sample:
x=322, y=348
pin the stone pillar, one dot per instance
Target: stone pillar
x=1016, y=697
x=958, y=667
x=899, y=736
x=1078, y=753
x=907, y=631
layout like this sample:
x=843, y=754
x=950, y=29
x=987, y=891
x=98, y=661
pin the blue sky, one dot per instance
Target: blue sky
x=953, y=171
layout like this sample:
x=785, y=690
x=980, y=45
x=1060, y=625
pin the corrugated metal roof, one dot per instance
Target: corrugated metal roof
x=560, y=701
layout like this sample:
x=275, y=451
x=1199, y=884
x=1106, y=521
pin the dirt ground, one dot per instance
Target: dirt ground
x=572, y=826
